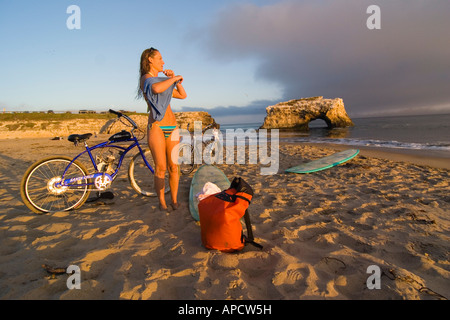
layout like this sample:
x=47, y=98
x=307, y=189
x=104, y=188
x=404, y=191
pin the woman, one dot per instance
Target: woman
x=163, y=135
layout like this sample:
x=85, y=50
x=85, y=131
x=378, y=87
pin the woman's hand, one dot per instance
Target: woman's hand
x=169, y=73
x=179, y=79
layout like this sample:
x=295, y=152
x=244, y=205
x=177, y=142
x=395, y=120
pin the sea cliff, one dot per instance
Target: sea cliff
x=42, y=128
x=183, y=119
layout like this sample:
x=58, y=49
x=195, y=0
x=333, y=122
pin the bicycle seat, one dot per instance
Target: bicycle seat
x=77, y=138
x=120, y=136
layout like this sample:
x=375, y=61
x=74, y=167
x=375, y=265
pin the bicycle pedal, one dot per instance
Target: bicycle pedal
x=107, y=195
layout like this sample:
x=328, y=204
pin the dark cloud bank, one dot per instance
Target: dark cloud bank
x=324, y=48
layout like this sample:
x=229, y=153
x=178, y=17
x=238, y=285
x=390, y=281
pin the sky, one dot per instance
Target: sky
x=236, y=57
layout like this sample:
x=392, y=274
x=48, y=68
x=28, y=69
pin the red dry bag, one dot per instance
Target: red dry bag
x=220, y=218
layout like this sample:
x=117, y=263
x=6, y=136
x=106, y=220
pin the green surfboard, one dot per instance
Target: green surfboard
x=206, y=173
x=325, y=162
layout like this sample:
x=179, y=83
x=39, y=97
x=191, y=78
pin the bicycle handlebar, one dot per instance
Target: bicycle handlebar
x=117, y=113
x=120, y=114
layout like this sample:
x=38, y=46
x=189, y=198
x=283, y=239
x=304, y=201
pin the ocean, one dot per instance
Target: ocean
x=427, y=133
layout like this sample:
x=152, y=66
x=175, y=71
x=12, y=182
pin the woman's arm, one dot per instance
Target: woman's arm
x=179, y=92
x=162, y=86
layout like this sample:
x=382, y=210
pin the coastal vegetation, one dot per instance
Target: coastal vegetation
x=48, y=116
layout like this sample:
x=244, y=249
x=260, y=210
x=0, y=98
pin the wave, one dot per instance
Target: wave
x=298, y=138
x=438, y=146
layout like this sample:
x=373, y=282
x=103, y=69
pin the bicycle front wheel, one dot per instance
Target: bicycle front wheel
x=140, y=176
x=186, y=158
x=212, y=152
x=39, y=186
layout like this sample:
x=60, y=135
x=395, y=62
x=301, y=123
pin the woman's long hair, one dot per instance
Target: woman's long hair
x=144, y=68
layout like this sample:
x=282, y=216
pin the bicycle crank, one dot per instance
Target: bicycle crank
x=102, y=182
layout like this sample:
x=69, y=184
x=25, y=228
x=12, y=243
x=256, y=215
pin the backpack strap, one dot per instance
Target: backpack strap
x=241, y=197
x=230, y=197
x=249, y=238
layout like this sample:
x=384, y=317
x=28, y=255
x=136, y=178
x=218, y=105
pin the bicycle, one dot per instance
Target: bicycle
x=61, y=183
x=199, y=149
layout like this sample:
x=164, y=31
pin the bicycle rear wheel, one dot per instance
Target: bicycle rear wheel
x=140, y=176
x=40, y=193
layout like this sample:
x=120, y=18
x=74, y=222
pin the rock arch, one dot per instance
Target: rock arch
x=297, y=114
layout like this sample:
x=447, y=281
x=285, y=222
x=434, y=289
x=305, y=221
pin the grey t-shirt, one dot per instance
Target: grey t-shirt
x=159, y=102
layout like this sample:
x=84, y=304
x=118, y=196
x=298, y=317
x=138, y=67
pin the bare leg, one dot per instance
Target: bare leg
x=157, y=145
x=172, y=143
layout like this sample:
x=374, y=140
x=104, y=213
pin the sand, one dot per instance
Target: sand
x=320, y=233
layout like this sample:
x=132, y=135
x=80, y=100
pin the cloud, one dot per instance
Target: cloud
x=324, y=48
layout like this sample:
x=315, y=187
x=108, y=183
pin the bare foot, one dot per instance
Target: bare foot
x=163, y=207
